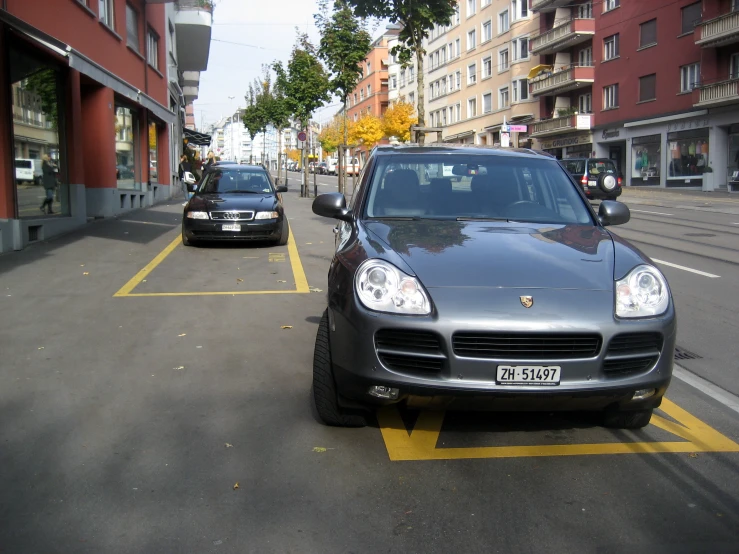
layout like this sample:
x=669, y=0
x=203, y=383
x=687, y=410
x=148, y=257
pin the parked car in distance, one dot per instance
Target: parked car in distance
x=235, y=202
x=322, y=168
x=599, y=177
x=353, y=166
x=331, y=166
x=25, y=172
x=505, y=291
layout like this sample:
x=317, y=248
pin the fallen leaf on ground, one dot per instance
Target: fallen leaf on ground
x=314, y=289
x=86, y=273
x=239, y=280
x=82, y=265
x=693, y=455
x=319, y=449
x=286, y=327
x=308, y=243
x=229, y=445
x=40, y=347
x=182, y=335
x=281, y=281
x=179, y=367
x=236, y=485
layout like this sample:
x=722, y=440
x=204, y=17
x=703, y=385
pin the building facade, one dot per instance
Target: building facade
x=89, y=87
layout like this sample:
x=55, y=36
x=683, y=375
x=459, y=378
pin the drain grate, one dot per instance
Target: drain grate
x=683, y=354
x=699, y=235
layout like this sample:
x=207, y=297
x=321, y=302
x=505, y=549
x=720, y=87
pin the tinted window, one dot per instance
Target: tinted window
x=237, y=181
x=576, y=167
x=25, y=164
x=595, y=167
x=480, y=186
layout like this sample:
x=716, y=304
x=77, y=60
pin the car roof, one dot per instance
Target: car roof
x=461, y=149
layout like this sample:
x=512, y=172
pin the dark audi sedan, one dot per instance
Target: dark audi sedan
x=235, y=202
x=502, y=291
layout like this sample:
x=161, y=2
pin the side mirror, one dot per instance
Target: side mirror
x=282, y=188
x=332, y=204
x=611, y=212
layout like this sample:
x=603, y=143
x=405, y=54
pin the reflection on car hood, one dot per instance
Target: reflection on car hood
x=500, y=254
x=232, y=201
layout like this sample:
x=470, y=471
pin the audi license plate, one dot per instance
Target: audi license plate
x=537, y=375
x=231, y=227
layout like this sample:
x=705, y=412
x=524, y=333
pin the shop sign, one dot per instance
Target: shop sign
x=685, y=125
x=611, y=134
x=568, y=141
x=582, y=122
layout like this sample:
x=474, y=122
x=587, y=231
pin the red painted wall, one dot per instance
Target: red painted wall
x=98, y=136
x=71, y=23
x=664, y=59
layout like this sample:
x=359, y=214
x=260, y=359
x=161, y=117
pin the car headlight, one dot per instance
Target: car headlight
x=642, y=293
x=384, y=288
x=267, y=215
x=198, y=215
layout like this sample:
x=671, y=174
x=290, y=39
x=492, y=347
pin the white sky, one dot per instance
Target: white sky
x=268, y=25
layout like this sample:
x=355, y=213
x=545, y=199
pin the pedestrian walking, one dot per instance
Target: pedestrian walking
x=211, y=160
x=185, y=166
x=49, y=181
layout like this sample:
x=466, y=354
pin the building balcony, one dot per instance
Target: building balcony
x=718, y=94
x=562, y=36
x=548, y=5
x=718, y=31
x=190, y=86
x=561, y=125
x=193, y=24
x=561, y=81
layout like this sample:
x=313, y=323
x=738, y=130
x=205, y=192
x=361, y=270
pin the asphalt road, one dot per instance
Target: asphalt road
x=127, y=421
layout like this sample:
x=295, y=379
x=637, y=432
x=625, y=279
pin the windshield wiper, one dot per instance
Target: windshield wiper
x=242, y=192
x=398, y=218
x=472, y=218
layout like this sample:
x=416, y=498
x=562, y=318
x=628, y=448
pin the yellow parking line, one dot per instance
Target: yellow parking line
x=301, y=282
x=151, y=266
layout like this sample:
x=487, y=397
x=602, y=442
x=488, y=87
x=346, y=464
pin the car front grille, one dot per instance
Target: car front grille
x=525, y=346
x=228, y=235
x=632, y=353
x=232, y=216
x=414, y=352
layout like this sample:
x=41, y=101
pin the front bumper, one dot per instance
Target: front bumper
x=465, y=382
x=202, y=229
x=595, y=193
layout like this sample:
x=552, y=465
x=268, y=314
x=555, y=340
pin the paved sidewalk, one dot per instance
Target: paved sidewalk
x=678, y=194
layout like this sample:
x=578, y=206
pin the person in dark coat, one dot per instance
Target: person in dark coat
x=185, y=166
x=49, y=181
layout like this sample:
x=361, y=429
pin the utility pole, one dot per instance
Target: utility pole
x=233, y=146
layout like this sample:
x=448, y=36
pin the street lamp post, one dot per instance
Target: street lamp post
x=233, y=145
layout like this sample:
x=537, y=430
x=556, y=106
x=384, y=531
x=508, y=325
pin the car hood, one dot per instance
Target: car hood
x=225, y=202
x=501, y=254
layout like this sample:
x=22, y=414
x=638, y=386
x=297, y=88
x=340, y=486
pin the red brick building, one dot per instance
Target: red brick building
x=87, y=85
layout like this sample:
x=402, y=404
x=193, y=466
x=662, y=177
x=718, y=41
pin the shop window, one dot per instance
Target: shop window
x=39, y=166
x=107, y=13
x=648, y=33
x=646, y=156
x=688, y=153
x=691, y=16
x=648, y=87
x=153, y=152
x=126, y=132
x=132, y=28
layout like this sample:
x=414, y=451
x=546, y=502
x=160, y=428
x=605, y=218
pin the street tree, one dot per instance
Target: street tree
x=367, y=131
x=255, y=117
x=398, y=119
x=335, y=133
x=303, y=83
x=418, y=18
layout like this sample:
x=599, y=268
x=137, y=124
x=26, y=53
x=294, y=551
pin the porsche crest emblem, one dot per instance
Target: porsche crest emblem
x=527, y=301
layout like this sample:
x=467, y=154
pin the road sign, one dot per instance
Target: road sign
x=302, y=136
x=505, y=140
x=517, y=128
x=301, y=144
x=505, y=128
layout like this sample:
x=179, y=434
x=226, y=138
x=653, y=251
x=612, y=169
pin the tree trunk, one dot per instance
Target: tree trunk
x=419, y=81
x=279, y=156
x=264, y=147
x=304, y=187
x=342, y=179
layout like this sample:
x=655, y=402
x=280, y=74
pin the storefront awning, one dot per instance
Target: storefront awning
x=452, y=138
x=195, y=138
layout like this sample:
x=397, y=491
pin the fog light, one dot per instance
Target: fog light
x=643, y=393
x=381, y=391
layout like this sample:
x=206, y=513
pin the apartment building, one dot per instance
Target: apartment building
x=476, y=72
x=401, y=80
x=371, y=94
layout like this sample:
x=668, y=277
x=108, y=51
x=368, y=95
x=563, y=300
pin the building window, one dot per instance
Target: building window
x=394, y=82
x=471, y=39
x=456, y=14
x=412, y=98
x=648, y=33
x=450, y=80
x=471, y=7
x=472, y=74
x=688, y=155
x=609, y=5
x=487, y=67
x=152, y=50
x=610, y=97
x=472, y=107
x=691, y=16
x=172, y=42
x=648, y=87
x=734, y=63
x=487, y=103
x=83, y=2
x=520, y=90
x=503, y=23
x=369, y=90
x=503, y=98
x=132, y=28
x=106, y=12
x=610, y=47
x=585, y=11
x=361, y=94
x=459, y=79
x=585, y=103
x=520, y=9
x=520, y=47
x=411, y=74
x=369, y=68
x=586, y=57
x=153, y=151
x=690, y=76
x=503, y=62
x=487, y=31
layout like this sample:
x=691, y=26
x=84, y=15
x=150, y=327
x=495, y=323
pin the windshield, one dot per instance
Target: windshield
x=463, y=186
x=236, y=180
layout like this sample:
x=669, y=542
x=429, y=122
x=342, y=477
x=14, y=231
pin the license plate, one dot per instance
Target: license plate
x=537, y=375
x=231, y=227
x=592, y=183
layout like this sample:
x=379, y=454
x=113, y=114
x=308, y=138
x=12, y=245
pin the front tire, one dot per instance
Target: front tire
x=284, y=233
x=325, y=397
x=186, y=241
x=636, y=419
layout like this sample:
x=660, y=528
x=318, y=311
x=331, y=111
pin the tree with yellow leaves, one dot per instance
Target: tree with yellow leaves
x=398, y=119
x=293, y=154
x=332, y=135
x=367, y=131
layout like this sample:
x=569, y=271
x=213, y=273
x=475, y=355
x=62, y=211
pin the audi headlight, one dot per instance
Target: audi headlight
x=198, y=215
x=642, y=293
x=384, y=288
x=267, y=215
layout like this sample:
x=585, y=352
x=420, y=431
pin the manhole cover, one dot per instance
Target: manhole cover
x=683, y=354
x=699, y=235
